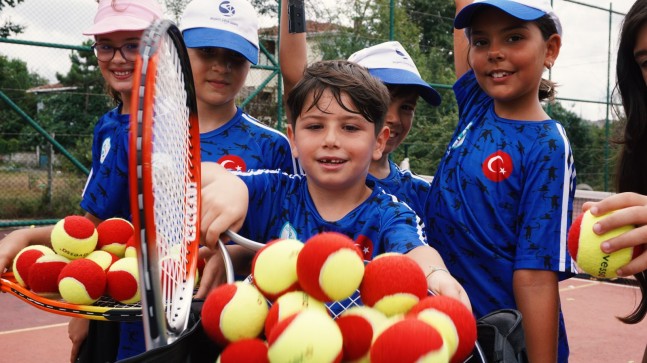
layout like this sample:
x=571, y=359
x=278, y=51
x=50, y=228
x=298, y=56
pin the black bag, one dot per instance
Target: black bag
x=500, y=335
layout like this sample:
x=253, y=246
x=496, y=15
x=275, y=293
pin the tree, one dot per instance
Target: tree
x=10, y=28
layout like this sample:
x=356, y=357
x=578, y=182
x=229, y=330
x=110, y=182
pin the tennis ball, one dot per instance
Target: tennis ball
x=24, y=259
x=131, y=247
x=104, y=259
x=74, y=237
x=330, y=267
x=232, y=312
x=407, y=341
x=393, y=283
x=82, y=281
x=288, y=304
x=307, y=336
x=453, y=320
x=274, y=267
x=245, y=350
x=584, y=247
x=43, y=274
x=122, y=282
x=113, y=234
x=358, y=326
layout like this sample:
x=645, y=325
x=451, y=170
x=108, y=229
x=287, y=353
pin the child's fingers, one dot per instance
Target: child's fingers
x=632, y=238
x=618, y=201
x=636, y=265
x=622, y=217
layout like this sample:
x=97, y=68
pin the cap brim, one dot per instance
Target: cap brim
x=208, y=37
x=393, y=76
x=519, y=11
x=117, y=23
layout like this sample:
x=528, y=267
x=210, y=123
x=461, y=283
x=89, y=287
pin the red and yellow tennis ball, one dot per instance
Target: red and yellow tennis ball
x=307, y=336
x=407, y=341
x=453, y=320
x=122, y=282
x=245, y=351
x=113, y=234
x=393, y=283
x=43, y=274
x=74, y=237
x=358, y=326
x=274, y=267
x=288, y=304
x=25, y=259
x=82, y=281
x=584, y=247
x=131, y=248
x=104, y=259
x=330, y=267
x=232, y=312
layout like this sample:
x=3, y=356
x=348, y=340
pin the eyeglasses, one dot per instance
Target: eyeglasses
x=105, y=52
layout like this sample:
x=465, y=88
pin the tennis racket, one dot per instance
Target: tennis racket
x=104, y=309
x=164, y=176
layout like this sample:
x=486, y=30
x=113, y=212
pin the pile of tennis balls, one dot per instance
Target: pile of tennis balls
x=292, y=310
x=84, y=263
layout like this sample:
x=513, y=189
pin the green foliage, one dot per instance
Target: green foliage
x=10, y=28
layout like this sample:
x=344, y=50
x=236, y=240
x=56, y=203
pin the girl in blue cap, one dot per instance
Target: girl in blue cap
x=501, y=200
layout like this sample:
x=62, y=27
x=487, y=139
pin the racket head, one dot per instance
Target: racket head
x=105, y=308
x=164, y=176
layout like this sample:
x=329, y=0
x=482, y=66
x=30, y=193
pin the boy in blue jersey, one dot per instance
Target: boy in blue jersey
x=336, y=130
x=222, y=41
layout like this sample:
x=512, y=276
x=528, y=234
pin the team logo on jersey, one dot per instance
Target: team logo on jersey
x=461, y=137
x=105, y=148
x=498, y=166
x=227, y=9
x=365, y=245
x=233, y=163
x=288, y=232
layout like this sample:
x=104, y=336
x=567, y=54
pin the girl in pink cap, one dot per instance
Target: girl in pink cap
x=117, y=29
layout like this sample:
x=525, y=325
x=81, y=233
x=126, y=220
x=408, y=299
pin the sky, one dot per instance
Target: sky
x=580, y=70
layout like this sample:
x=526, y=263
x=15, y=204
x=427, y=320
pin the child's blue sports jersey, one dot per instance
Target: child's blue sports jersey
x=244, y=144
x=280, y=206
x=109, y=174
x=501, y=200
x=406, y=186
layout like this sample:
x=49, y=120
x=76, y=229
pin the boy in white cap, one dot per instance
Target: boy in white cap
x=501, y=199
x=391, y=64
x=222, y=41
x=117, y=29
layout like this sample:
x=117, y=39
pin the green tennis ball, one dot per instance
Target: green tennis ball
x=584, y=247
x=74, y=237
x=82, y=282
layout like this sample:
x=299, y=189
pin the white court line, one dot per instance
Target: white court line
x=32, y=329
x=593, y=283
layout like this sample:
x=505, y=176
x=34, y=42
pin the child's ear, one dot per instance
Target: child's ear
x=290, y=133
x=380, y=142
x=553, y=45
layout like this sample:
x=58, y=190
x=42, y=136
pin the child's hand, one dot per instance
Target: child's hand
x=224, y=203
x=630, y=208
x=213, y=274
x=442, y=283
x=77, y=330
x=9, y=248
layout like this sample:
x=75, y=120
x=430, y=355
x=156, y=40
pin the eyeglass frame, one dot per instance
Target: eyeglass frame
x=114, y=51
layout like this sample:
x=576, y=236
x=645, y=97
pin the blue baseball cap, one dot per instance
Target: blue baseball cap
x=526, y=10
x=393, y=66
x=230, y=24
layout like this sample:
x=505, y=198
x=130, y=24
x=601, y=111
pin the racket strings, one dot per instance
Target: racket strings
x=172, y=176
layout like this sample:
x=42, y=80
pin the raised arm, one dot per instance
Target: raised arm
x=293, y=54
x=461, y=45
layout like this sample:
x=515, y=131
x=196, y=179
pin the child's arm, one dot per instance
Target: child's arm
x=537, y=295
x=461, y=45
x=439, y=280
x=292, y=52
x=224, y=203
x=631, y=208
x=77, y=330
x=19, y=239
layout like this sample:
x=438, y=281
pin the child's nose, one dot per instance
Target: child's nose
x=331, y=137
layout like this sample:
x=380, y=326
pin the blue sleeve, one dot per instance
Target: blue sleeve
x=262, y=204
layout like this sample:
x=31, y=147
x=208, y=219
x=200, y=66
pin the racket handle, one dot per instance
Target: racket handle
x=229, y=266
x=296, y=16
x=242, y=241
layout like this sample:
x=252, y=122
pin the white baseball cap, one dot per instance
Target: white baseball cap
x=123, y=15
x=527, y=10
x=392, y=64
x=231, y=24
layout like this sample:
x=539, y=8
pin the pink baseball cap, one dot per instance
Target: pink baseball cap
x=121, y=15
